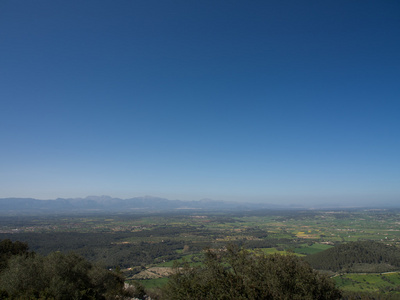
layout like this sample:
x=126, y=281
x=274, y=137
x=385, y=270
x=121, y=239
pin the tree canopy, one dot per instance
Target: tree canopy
x=360, y=256
x=56, y=276
x=235, y=273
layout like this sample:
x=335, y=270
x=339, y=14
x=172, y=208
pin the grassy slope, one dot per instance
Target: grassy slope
x=368, y=282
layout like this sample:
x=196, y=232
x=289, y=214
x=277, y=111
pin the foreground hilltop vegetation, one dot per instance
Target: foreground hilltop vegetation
x=234, y=273
x=26, y=275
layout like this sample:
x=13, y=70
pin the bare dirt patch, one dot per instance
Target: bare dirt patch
x=154, y=272
x=162, y=271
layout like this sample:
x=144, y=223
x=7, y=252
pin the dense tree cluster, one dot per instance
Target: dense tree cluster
x=57, y=276
x=104, y=247
x=234, y=273
x=362, y=256
x=151, y=246
x=9, y=249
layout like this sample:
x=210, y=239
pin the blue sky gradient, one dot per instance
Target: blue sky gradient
x=275, y=101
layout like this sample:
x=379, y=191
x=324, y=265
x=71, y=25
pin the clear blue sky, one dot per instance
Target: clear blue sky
x=275, y=101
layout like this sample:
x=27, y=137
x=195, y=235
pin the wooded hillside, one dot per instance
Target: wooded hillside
x=362, y=256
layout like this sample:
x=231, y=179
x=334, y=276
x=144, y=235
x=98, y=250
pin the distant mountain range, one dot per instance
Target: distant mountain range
x=104, y=204
x=109, y=204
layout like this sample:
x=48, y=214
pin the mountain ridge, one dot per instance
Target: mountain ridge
x=110, y=204
x=104, y=204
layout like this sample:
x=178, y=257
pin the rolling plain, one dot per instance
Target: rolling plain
x=145, y=246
